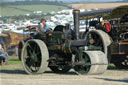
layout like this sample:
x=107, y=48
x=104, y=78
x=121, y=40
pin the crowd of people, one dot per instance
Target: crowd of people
x=43, y=27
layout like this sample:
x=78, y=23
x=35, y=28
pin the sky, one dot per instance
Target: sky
x=75, y=0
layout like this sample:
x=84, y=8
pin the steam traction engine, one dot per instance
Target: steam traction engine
x=109, y=34
x=62, y=50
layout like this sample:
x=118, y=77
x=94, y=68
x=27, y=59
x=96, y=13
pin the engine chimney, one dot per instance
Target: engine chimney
x=76, y=14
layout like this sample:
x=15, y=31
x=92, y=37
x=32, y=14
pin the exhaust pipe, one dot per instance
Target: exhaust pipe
x=76, y=15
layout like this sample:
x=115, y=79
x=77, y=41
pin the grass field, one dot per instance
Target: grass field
x=13, y=64
x=13, y=60
x=12, y=10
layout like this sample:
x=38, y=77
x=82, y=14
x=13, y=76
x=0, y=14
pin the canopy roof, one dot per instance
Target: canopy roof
x=107, y=13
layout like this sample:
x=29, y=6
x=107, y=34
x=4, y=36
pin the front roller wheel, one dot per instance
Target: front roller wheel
x=34, y=56
x=94, y=62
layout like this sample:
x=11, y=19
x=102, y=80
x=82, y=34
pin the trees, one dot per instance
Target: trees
x=3, y=1
x=35, y=0
x=27, y=0
x=125, y=0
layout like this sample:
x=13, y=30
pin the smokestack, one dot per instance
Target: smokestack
x=76, y=14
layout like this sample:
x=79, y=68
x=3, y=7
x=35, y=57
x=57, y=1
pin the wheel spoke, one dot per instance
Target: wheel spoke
x=83, y=69
x=29, y=46
x=29, y=52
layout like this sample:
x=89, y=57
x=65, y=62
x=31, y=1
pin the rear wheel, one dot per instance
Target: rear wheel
x=121, y=65
x=122, y=62
x=34, y=56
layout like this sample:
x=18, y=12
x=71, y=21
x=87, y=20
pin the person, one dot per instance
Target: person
x=3, y=56
x=43, y=27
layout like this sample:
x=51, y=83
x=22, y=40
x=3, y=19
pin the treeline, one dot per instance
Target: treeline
x=34, y=2
x=123, y=1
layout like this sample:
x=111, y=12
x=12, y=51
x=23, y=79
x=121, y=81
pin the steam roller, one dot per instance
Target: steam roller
x=61, y=51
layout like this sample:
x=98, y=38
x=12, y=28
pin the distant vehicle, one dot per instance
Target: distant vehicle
x=10, y=40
